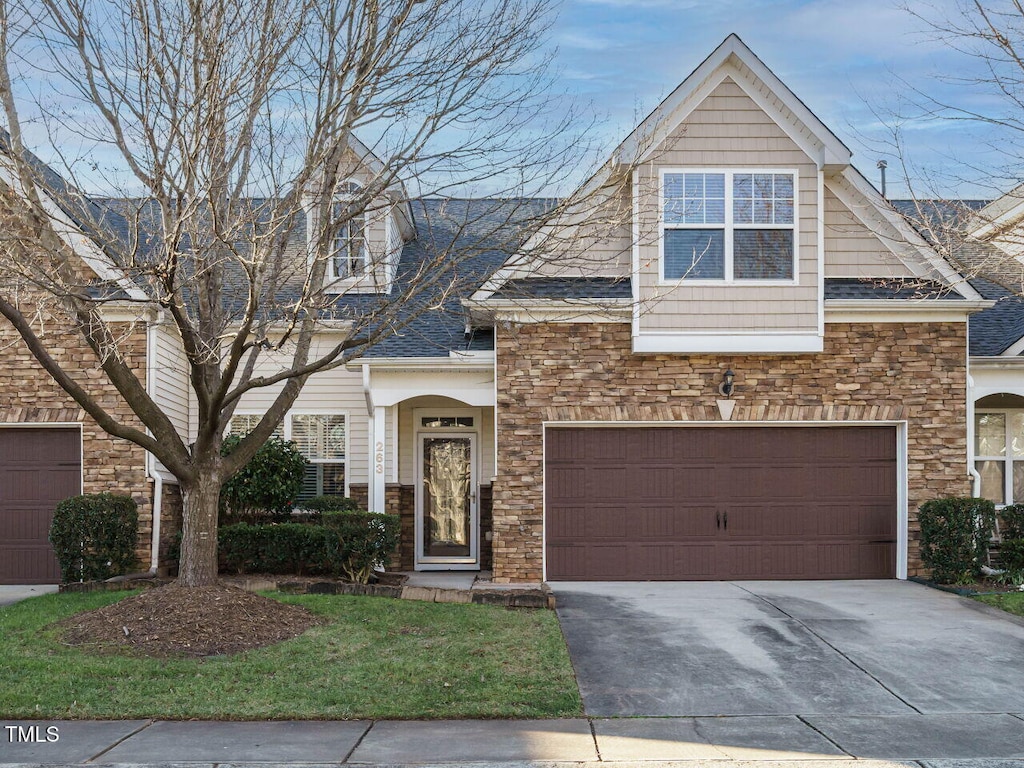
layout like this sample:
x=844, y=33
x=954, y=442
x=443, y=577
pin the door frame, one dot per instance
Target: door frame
x=471, y=563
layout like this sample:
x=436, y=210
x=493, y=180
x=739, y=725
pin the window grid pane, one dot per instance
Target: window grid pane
x=762, y=198
x=762, y=254
x=695, y=254
x=243, y=423
x=990, y=434
x=319, y=437
x=694, y=198
x=993, y=480
x=349, y=249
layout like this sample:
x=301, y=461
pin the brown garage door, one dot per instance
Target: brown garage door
x=689, y=503
x=38, y=468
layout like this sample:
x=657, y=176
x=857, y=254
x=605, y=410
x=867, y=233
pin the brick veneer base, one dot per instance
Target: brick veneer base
x=587, y=372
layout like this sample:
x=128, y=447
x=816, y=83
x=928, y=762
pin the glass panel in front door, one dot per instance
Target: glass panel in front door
x=447, y=487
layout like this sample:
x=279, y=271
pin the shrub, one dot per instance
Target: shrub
x=94, y=536
x=320, y=504
x=1011, y=555
x=955, y=534
x=265, y=488
x=1011, y=521
x=368, y=539
x=283, y=548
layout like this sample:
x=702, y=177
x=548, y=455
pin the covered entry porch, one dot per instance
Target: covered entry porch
x=431, y=458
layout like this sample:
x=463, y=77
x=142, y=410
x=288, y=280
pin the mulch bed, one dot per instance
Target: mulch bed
x=175, y=621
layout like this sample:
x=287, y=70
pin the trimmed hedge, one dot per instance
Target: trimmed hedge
x=94, y=536
x=321, y=504
x=292, y=548
x=368, y=539
x=1011, y=522
x=265, y=489
x=347, y=544
x=1011, y=555
x=955, y=535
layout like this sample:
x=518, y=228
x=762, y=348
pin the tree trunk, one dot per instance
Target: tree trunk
x=201, y=498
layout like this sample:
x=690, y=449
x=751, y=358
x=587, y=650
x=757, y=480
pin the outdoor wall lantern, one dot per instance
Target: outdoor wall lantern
x=726, y=386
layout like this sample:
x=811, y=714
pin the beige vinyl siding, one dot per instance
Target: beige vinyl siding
x=407, y=439
x=327, y=392
x=728, y=130
x=171, y=380
x=599, y=245
x=853, y=250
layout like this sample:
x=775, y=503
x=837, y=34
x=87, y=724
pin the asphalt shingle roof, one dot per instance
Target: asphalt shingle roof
x=566, y=288
x=993, y=273
x=886, y=288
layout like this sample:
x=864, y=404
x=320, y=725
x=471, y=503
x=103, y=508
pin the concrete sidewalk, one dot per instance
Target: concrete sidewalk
x=933, y=741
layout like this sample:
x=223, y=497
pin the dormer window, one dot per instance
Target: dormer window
x=728, y=225
x=348, y=252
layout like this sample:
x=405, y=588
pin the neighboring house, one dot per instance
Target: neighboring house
x=739, y=362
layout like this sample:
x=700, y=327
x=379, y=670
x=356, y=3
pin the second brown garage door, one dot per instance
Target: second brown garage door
x=38, y=468
x=691, y=503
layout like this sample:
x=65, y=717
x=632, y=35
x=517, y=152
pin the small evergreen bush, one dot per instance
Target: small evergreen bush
x=264, y=490
x=94, y=536
x=1011, y=522
x=955, y=534
x=368, y=540
x=285, y=548
x=320, y=504
x=1011, y=555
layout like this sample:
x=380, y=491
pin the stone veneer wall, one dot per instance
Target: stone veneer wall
x=587, y=372
x=401, y=500
x=29, y=396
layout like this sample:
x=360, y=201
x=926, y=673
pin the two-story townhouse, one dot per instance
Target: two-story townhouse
x=740, y=362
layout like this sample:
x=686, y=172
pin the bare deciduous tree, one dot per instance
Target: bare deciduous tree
x=226, y=129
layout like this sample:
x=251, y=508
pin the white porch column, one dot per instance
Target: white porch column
x=378, y=450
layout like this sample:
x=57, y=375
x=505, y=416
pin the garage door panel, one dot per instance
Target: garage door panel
x=38, y=468
x=650, y=483
x=725, y=503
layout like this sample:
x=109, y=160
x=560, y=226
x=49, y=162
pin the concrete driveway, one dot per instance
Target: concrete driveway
x=855, y=648
x=13, y=593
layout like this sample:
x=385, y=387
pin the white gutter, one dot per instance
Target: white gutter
x=476, y=360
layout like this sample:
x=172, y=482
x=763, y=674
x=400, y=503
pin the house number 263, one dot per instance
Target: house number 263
x=378, y=458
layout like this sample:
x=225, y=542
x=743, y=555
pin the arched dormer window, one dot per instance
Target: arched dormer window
x=348, y=252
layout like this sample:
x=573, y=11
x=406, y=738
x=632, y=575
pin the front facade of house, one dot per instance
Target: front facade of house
x=739, y=363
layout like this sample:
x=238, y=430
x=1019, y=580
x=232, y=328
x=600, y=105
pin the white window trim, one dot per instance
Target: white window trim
x=332, y=277
x=1007, y=458
x=728, y=227
x=286, y=425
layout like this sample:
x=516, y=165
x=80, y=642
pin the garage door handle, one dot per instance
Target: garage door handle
x=718, y=519
x=725, y=520
x=882, y=541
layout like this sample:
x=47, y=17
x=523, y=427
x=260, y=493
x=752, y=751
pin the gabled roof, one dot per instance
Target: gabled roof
x=991, y=272
x=998, y=215
x=734, y=59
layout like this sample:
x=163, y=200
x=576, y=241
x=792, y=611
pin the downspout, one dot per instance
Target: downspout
x=158, y=482
x=971, y=470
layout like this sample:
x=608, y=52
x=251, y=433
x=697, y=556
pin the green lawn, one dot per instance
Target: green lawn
x=1011, y=602
x=376, y=658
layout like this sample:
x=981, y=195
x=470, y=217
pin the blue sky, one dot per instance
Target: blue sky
x=851, y=61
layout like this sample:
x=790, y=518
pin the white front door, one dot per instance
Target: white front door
x=447, y=517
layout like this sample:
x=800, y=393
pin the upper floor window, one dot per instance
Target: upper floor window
x=728, y=225
x=348, y=246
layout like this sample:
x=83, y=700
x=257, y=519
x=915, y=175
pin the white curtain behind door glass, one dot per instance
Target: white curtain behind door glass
x=446, y=476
